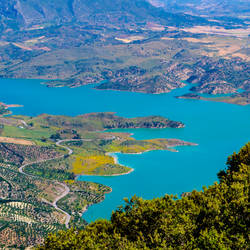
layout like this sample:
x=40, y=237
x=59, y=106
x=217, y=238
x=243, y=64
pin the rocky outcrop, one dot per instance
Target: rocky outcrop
x=215, y=88
x=220, y=76
x=145, y=84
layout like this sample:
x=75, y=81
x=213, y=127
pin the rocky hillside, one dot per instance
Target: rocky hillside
x=221, y=77
x=132, y=45
x=23, y=13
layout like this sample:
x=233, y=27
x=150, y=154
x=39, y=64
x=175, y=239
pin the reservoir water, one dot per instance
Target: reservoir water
x=218, y=128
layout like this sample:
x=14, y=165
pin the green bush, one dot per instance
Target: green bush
x=215, y=218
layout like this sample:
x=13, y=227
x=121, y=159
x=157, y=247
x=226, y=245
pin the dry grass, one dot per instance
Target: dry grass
x=22, y=46
x=242, y=56
x=218, y=31
x=193, y=40
x=3, y=43
x=167, y=38
x=16, y=141
x=50, y=191
x=226, y=47
x=129, y=39
x=154, y=27
x=29, y=45
x=34, y=40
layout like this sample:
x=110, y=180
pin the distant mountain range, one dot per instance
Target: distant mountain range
x=206, y=7
x=147, y=46
x=23, y=13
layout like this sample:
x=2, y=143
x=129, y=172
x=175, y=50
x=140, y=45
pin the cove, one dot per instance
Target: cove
x=218, y=128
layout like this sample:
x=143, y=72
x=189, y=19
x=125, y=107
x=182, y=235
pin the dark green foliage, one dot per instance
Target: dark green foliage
x=3, y=110
x=55, y=137
x=101, y=121
x=215, y=218
x=1, y=128
x=49, y=173
x=234, y=163
x=43, y=139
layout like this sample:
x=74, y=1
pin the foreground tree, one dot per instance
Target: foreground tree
x=215, y=218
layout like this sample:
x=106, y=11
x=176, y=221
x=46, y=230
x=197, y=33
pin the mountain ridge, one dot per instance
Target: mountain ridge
x=34, y=12
x=132, y=45
x=205, y=7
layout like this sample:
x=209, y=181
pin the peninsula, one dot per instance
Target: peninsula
x=238, y=98
x=4, y=108
x=40, y=158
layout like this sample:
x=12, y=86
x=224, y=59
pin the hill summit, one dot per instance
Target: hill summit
x=25, y=13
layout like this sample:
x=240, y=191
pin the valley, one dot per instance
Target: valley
x=153, y=56
x=101, y=101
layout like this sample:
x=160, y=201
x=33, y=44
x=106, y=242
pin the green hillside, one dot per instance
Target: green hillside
x=215, y=218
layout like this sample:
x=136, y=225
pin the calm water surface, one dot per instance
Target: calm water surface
x=218, y=128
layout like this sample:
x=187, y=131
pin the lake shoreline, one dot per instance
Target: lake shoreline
x=210, y=124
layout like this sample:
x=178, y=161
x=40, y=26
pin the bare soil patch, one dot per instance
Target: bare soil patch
x=16, y=141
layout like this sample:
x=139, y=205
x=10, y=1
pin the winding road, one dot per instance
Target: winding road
x=54, y=204
x=66, y=188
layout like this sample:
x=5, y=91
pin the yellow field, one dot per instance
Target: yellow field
x=86, y=165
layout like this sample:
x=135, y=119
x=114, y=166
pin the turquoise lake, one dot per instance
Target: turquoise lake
x=218, y=128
